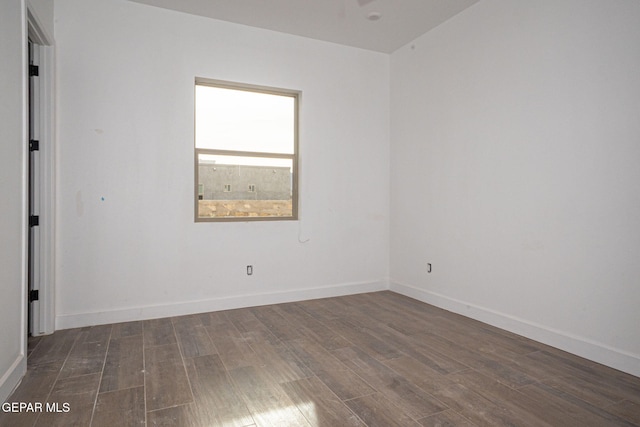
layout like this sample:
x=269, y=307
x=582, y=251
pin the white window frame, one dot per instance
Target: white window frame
x=293, y=157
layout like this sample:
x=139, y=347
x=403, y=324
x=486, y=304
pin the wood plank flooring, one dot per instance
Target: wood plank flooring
x=378, y=359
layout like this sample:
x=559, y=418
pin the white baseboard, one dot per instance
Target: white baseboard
x=580, y=346
x=10, y=379
x=66, y=321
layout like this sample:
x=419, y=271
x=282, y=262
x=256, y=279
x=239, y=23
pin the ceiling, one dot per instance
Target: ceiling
x=345, y=22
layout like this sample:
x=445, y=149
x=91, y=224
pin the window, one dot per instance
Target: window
x=246, y=139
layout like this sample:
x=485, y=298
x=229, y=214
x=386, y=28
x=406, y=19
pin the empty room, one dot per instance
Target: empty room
x=320, y=213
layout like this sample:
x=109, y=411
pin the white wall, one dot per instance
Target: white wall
x=515, y=147
x=127, y=244
x=12, y=191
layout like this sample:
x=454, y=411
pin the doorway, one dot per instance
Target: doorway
x=33, y=262
x=40, y=184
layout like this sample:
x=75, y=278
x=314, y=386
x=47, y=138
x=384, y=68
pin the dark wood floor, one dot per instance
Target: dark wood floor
x=376, y=359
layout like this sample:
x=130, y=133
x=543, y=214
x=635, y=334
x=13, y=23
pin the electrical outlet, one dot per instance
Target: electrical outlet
x=249, y=270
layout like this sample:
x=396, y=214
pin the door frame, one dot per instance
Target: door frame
x=44, y=277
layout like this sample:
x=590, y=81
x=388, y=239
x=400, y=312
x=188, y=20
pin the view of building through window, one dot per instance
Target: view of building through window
x=246, y=152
